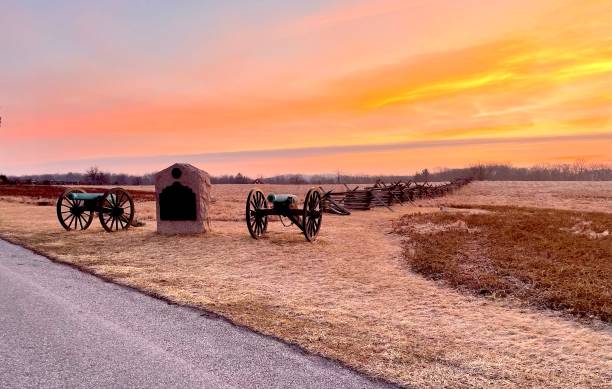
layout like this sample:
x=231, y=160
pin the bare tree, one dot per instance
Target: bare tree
x=97, y=177
x=92, y=174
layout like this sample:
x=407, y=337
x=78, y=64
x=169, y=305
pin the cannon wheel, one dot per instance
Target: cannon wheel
x=313, y=214
x=257, y=225
x=72, y=214
x=116, y=210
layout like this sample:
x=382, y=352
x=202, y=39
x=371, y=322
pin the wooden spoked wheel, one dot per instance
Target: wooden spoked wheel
x=313, y=214
x=72, y=214
x=116, y=210
x=256, y=222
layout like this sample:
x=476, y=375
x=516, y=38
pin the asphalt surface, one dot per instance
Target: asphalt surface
x=60, y=327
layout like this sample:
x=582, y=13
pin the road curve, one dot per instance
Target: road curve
x=60, y=327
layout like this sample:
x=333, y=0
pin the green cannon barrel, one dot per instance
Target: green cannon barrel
x=85, y=196
x=282, y=198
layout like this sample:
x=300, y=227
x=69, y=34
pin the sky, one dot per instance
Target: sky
x=270, y=87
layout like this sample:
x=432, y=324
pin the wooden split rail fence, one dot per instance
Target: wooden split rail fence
x=385, y=195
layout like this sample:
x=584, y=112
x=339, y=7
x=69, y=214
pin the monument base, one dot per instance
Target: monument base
x=180, y=227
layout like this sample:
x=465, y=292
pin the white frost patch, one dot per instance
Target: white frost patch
x=584, y=228
x=470, y=211
x=432, y=228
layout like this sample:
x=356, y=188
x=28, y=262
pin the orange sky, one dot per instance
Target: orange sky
x=361, y=87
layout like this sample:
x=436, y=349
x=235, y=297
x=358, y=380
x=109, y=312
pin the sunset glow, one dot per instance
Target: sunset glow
x=313, y=87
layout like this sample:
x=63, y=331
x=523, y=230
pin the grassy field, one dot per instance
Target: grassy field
x=549, y=258
x=351, y=295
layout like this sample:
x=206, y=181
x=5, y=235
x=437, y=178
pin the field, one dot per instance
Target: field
x=358, y=295
x=549, y=258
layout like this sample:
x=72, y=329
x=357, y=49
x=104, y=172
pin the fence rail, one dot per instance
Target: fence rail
x=385, y=194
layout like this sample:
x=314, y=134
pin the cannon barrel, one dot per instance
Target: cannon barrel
x=85, y=196
x=282, y=198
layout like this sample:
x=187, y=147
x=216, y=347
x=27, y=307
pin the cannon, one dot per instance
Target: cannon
x=76, y=209
x=308, y=219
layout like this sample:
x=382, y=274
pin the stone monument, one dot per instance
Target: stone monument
x=182, y=194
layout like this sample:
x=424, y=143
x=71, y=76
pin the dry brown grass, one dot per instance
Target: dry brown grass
x=572, y=195
x=32, y=193
x=349, y=296
x=551, y=258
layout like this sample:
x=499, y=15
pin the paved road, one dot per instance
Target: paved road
x=60, y=327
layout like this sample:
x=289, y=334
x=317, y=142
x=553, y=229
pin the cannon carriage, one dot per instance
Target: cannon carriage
x=308, y=219
x=77, y=208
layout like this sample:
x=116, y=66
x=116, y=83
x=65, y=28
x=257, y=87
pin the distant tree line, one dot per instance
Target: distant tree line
x=486, y=172
x=93, y=176
x=502, y=172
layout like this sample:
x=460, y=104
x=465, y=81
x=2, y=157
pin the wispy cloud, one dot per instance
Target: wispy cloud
x=293, y=156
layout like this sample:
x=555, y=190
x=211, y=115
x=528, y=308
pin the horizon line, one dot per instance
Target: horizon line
x=219, y=157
